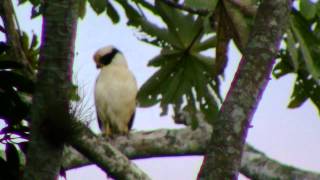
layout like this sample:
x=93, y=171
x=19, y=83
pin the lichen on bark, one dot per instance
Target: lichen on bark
x=223, y=157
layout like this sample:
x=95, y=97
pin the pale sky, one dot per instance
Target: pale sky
x=289, y=136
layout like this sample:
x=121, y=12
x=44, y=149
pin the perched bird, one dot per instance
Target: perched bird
x=115, y=92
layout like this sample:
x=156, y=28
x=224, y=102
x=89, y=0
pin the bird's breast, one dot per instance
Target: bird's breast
x=116, y=91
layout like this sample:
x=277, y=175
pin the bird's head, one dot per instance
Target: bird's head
x=109, y=55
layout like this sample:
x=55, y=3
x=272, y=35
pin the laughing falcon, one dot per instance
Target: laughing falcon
x=115, y=92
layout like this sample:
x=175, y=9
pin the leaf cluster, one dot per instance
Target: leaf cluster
x=10, y=165
x=16, y=89
x=301, y=53
x=15, y=94
x=187, y=79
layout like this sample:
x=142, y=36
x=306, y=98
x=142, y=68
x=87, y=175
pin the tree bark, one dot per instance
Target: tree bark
x=185, y=142
x=223, y=157
x=104, y=155
x=50, y=109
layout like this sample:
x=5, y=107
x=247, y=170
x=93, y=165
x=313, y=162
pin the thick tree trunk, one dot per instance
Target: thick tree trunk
x=224, y=152
x=50, y=111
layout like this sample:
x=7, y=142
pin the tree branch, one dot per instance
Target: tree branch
x=186, y=142
x=257, y=165
x=230, y=130
x=99, y=151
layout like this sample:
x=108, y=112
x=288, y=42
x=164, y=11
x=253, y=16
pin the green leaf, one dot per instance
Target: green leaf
x=23, y=146
x=112, y=13
x=16, y=80
x=25, y=41
x=4, y=170
x=308, y=9
x=298, y=96
x=165, y=55
x=149, y=93
x=12, y=157
x=98, y=5
x=292, y=49
x=201, y=4
x=163, y=36
x=179, y=24
x=132, y=13
x=308, y=44
x=35, y=2
x=147, y=5
x=208, y=104
x=305, y=87
x=82, y=8
x=3, y=47
x=34, y=41
x=170, y=95
x=283, y=67
x=10, y=106
x=10, y=65
x=206, y=62
x=36, y=10
x=318, y=8
x=205, y=44
x=178, y=75
x=74, y=96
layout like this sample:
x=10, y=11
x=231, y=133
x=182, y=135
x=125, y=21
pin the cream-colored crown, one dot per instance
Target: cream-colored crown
x=118, y=59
